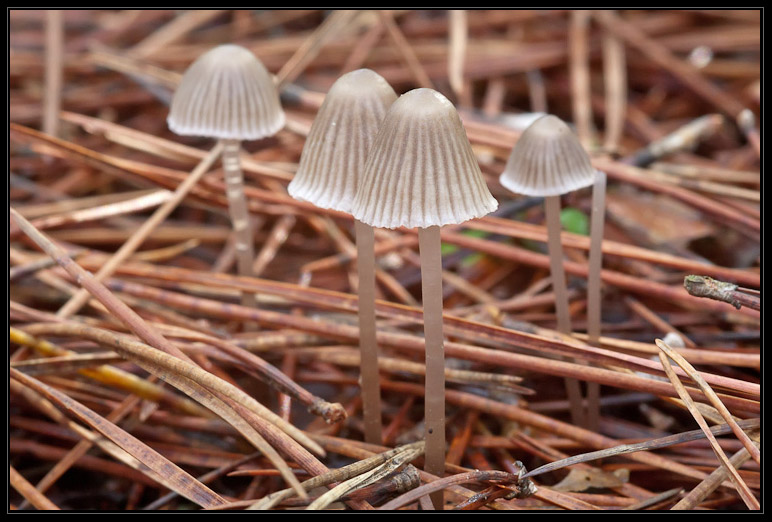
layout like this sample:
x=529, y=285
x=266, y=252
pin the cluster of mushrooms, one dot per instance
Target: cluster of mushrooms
x=392, y=161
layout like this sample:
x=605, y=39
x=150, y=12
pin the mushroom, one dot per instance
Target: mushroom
x=331, y=164
x=228, y=94
x=548, y=160
x=422, y=173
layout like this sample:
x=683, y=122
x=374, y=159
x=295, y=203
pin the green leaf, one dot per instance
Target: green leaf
x=575, y=221
x=447, y=249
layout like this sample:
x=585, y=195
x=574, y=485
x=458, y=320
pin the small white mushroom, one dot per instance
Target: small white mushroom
x=548, y=160
x=229, y=95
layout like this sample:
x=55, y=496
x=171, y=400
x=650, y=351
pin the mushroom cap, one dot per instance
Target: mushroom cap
x=421, y=170
x=226, y=93
x=547, y=160
x=335, y=152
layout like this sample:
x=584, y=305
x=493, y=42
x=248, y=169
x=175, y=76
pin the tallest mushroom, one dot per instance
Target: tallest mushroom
x=421, y=173
x=229, y=95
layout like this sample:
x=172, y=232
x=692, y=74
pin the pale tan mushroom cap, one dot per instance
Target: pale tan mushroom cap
x=547, y=160
x=335, y=152
x=226, y=93
x=421, y=170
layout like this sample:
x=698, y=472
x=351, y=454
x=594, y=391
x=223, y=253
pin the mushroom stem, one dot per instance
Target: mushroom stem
x=237, y=206
x=555, y=249
x=595, y=263
x=434, y=388
x=369, y=376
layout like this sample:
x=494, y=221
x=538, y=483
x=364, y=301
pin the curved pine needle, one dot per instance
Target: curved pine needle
x=482, y=498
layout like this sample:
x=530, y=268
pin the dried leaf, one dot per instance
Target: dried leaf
x=584, y=479
x=655, y=219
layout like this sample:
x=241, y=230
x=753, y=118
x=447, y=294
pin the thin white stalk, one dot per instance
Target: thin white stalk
x=239, y=213
x=368, y=373
x=434, y=396
x=555, y=249
x=595, y=262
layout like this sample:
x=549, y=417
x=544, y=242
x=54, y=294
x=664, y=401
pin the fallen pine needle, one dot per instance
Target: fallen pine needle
x=742, y=488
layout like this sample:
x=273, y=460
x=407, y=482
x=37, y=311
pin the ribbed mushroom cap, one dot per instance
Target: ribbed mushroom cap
x=226, y=93
x=421, y=170
x=547, y=160
x=335, y=152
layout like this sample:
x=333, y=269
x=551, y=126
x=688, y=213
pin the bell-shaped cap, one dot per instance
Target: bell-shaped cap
x=227, y=93
x=421, y=170
x=547, y=160
x=335, y=152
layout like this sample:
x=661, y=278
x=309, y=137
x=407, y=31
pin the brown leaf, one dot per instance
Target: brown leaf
x=583, y=479
x=656, y=219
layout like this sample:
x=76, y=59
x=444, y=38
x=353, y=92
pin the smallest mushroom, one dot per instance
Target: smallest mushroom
x=548, y=160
